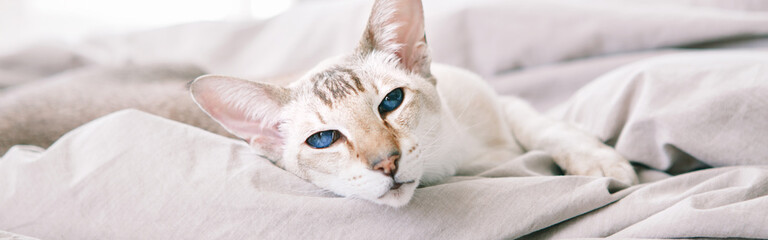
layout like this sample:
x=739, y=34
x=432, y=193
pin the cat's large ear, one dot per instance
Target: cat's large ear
x=250, y=110
x=397, y=27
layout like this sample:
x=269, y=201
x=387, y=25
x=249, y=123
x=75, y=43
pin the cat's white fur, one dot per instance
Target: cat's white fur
x=448, y=117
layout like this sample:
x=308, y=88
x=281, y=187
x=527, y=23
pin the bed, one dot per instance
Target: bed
x=680, y=88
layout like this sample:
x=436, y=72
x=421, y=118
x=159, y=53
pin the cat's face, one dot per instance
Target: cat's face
x=358, y=125
x=359, y=128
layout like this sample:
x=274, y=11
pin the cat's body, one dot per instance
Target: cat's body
x=379, y=122
x=478, y=129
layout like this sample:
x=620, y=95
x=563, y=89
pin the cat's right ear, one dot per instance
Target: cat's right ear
x=250, y=110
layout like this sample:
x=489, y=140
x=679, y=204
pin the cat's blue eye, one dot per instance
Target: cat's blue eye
x=391, y=101
x=323, y=139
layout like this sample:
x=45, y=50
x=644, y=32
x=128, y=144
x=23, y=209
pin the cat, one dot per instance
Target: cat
x=383, y=120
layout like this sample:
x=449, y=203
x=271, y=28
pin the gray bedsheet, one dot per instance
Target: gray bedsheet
x=123, y=177
x=693, y=122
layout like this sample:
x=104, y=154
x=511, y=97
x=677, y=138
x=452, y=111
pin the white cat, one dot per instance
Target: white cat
x=379, y=122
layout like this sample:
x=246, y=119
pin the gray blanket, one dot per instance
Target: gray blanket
x=132, y=175
x=694, y=124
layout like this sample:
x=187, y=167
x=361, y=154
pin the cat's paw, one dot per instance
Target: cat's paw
x=600, y=161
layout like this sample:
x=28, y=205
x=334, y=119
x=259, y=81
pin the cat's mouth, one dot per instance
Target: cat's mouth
x=398, y=194
x=396, y=189
x=396, y=185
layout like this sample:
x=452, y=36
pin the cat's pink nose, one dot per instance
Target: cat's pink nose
x=387, y=165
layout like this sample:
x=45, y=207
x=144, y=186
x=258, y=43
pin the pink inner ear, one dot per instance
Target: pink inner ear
x=243, y=108
x=397, y=27
x=265, y=137
x=410, y=34
x=239, y=124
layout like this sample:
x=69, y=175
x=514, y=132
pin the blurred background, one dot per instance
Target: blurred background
x=541, y=50
x=28, y=20
x=23, y=21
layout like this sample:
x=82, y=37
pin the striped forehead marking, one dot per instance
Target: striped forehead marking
x=335, y=84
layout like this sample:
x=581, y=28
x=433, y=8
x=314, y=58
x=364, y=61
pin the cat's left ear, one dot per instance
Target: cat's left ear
x=250, y=110
x=397, y=27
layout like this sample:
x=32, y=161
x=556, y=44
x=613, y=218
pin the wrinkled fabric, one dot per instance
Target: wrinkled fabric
x=692, y=123
x=123, y=177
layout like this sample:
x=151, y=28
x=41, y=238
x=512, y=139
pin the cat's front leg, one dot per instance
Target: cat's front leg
x=575, y=151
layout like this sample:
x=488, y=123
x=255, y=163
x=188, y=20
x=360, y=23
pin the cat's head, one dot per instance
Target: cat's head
x=356, y=125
